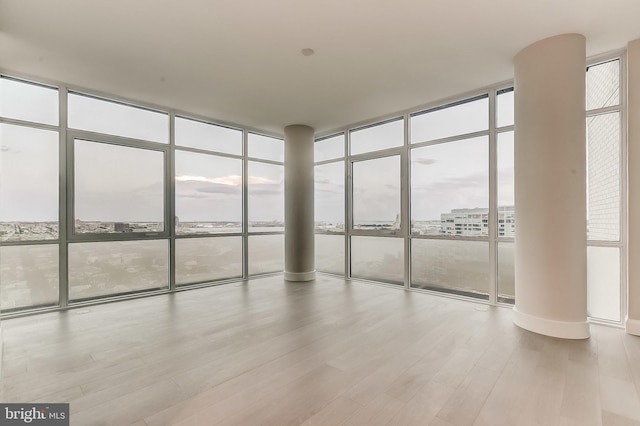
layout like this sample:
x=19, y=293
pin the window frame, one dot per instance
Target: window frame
x=622, y=243
x=72, y=236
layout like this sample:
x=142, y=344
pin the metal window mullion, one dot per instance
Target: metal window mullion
x=206, y=152
x=603, y=243
x=330, y=161
x=64, y=188
x=373, y=155
x=170, y=201
x=348, y=194
x=30, y=124
x=459, y=137
x=11, y=243
x=624, y=240
x=505, y=129
x=405, y=203
x=266, y=161
x=448, y=238
x=377, y=123
x=117, y=140
x=245, y=205
x=493, y=201
x=601, y=111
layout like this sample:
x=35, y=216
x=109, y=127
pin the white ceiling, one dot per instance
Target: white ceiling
x=239, y=61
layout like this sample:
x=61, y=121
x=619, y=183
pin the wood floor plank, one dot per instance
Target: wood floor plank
x=544, y=399
x=424, y=406
x=507, y=399
x=464, y=405
x=329, y=352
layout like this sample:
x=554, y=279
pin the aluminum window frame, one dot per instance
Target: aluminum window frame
x=345, y=223
x=622, y=243
x=72, y=235
x=404, y=151
x=66, y=137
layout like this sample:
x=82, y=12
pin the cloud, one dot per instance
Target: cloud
x=425, y=161
x=204, y=189
x=476, y=182
x=231, y=180
x=218, y=189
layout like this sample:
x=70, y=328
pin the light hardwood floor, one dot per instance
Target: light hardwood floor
x=329, y=352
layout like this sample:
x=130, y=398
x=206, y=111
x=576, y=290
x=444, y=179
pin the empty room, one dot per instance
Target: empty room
x=320, y=213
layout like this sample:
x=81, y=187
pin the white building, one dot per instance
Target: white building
x=475, y=222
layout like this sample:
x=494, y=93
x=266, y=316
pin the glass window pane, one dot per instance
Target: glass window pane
x=118, y=188
x=506, y=186
x=196, y=134
x=603, y=283
x=266, y=254
x=28, y=276
x=450, y=188
x=28, y=184
x=329, y=197
x=378, y=259
x=376, y=194
x=458, y=267
x=603, y=85
x=265, y=197
x=208, y=194
x=330, y=253
x=117, y=267
x=504, y=107
x=603, y=171
x=329, y=148
x=506, y=272
x=208, y=259
x=457, y=119
x=265, y=147
x=114, y=118
x=377, y=137
x=21, y=100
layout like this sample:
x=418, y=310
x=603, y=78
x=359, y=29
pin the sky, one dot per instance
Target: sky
x=116, y=183
x=444, y=176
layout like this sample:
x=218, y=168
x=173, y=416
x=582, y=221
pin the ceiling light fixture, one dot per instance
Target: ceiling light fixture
x=307, y=52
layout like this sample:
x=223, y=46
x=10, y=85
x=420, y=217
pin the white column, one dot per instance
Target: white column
x=299, y=256
x=550, y=179
x=633, y=140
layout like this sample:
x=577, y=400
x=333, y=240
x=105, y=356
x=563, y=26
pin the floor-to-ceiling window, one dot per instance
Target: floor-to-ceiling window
x=117, y=162
x=208, y=215
x=29, y=195
x=505, y=195
x=605, y=183
x=329, y=202
x=452, y=179
x=265, y=183
x=375, y=225
x=430, y=198
x=104, y=197
x=450, y=198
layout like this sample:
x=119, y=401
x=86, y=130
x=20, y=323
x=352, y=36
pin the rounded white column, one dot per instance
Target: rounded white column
x=299, y=249
x=550, y=187
x=633, y=144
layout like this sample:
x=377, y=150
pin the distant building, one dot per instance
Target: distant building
x=122, y=227
x=475, y=222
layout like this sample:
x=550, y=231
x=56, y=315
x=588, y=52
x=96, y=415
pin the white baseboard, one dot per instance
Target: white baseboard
x=633, y=326
x=561, y=329
x=300, y=276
